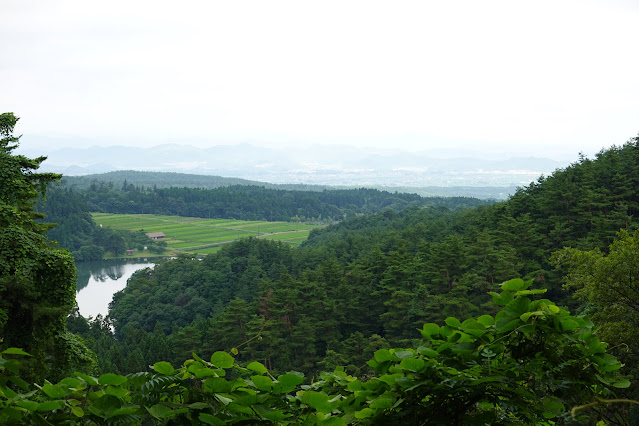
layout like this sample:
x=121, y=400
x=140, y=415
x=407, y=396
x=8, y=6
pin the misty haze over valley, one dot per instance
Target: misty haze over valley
x=317, y=165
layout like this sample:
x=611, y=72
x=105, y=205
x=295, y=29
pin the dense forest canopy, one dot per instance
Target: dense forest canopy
x=246, y=202
x=401, y=315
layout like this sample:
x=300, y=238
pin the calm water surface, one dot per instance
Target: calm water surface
x=97, y=281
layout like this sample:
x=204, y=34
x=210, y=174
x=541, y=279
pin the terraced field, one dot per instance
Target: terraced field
x=204, y=236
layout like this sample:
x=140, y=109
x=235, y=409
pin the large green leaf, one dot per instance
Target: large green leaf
x=50, y=406
x=502, y=298
x=70, y=383
x=15, y=351
x=90, y=380
x=222, y=360
x=333, y=421
x=117, y=391
x=428, y=352
x=218, y=385
x=164, y=367
x=158, y=410
x=390, y=379
x=206, y=372
x=506, y=325
x=453, y=322
x=517, y=307
x=210, y=420
x=526, y=315
x=54, y=391
x=527, y=292
x=401, y=354
x=112, y=379
x=287, y=382
x=412, y=364
x=569, y=324
x=29, y=405
x=317, y=400
x=274, y=415
x=382, y=403
x=623, y=383
x=263, y=383
x=199, y=406
x=429, y=330
x=486, y=320
x=513, y=285
x=364, y=413
x=257, y=367
x=127, y=411
x=607, y=362
x=382, y=355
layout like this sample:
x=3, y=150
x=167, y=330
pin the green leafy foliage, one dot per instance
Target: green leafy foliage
x=606, y=282
x=527, y=364
x=255, y=202
x=37, y=282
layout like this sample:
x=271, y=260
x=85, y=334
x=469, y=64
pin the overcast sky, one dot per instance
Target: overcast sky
x=550, y=78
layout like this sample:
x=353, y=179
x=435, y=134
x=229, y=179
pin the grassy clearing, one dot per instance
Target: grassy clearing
x=204, y=236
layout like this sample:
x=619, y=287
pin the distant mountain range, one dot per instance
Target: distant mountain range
x=316, y=165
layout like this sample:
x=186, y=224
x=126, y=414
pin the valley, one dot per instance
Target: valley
x=190, y=235
x=342, y=306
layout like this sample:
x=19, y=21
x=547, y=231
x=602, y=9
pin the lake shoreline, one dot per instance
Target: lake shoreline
x=97, y=282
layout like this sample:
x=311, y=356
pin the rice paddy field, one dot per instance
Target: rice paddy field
x=204, y=236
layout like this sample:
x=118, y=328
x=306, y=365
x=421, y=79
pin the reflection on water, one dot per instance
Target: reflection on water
x=98, y=281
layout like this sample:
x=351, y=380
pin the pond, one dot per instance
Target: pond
x=99, y=280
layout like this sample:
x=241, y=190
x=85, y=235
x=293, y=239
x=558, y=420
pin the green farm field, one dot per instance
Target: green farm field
x=204, y=236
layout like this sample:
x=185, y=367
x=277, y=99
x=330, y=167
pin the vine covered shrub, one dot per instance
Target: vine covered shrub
x=530, y=363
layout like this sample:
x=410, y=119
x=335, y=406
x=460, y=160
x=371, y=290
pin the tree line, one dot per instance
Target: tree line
x=245, y=202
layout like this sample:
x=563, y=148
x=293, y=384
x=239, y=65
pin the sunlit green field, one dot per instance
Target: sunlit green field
x=204, y=236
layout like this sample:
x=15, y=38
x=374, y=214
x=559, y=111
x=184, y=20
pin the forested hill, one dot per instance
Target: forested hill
x=586, y=204
x=171, y=179
x=256, y=202
x=370, y=281
x=156, y=180
x=581, y=206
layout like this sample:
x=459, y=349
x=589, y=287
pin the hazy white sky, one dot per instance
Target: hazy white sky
x=550, y=78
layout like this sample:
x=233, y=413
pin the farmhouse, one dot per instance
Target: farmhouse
x=156, y=235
